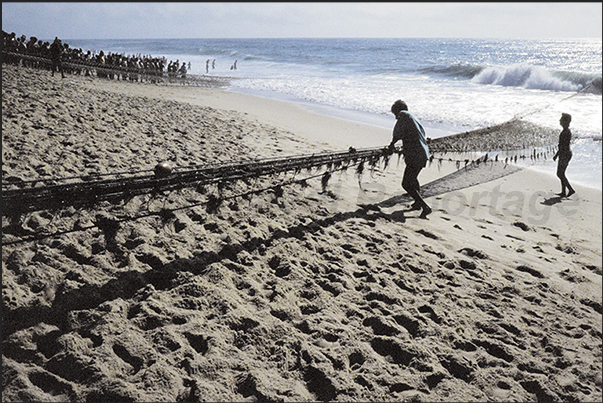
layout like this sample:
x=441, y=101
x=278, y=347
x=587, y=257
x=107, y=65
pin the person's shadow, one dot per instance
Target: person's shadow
x=552, y=200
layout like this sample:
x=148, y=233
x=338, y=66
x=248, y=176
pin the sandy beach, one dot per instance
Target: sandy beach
x=342, y=295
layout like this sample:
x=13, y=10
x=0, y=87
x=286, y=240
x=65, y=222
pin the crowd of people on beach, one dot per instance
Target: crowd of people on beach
x=58, y=55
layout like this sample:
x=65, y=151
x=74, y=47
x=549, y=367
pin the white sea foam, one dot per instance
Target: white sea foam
x=526, y=76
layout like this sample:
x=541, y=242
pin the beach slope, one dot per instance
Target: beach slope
x=312, y=294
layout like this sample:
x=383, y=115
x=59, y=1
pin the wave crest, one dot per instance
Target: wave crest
x=455, y=70
x=539, y=78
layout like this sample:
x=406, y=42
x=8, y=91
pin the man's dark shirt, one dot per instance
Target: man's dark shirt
x=412, y=134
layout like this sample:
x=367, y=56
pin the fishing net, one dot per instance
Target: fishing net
x=511, y=137
x=494, y=147
x=515, y=138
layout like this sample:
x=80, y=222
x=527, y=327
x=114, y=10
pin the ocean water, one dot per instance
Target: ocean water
x=450, y=85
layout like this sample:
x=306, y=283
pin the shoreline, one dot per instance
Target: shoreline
x=382, y=121
x=382, y=135
x=387, y=122
x=310, y=294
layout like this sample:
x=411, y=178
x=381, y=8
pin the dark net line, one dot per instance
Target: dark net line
x=50, y=194
x=513, y=139
x=110, y=224
x=23, y=198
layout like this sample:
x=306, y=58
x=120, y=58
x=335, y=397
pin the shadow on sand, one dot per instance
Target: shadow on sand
x=552, y=201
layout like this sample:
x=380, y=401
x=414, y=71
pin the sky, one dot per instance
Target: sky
x=110, y=20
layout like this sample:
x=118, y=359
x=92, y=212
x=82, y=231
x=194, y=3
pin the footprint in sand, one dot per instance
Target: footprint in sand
x=522, y=225
x=530, y=270
x=380, y=327
x=430, y=313
x=53, y=385
x=427, y=234
x=319, y=384
x=126, y=356
x=199, y=342
x=572, y=276
x=473, y=253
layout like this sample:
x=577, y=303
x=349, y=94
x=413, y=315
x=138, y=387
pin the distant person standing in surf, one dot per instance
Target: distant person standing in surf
x=56, y=52
x=564, y=153
x=415, y=151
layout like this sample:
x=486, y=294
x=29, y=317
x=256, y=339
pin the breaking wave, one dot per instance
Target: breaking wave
x=521, y=75
x=456, y=70
x=539, y=78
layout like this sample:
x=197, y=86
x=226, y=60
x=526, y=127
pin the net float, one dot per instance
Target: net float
x=163, y=169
